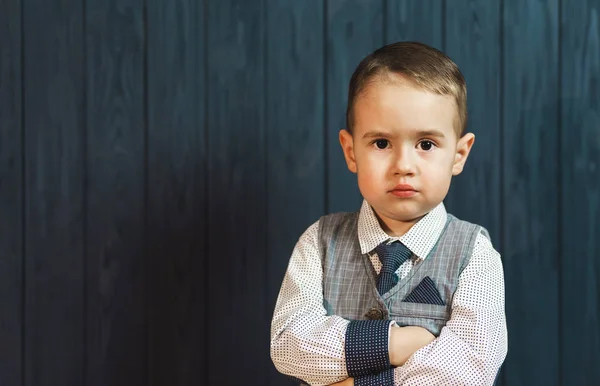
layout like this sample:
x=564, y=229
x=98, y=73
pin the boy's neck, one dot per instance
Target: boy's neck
x=395, y=228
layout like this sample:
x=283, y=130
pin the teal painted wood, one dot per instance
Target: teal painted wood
x=237, y=193
x=116, y=260
x=415, y=20
x=11, y=195
x=472, y=40
x=89, y=321
x=580, y=192
x=294, y=138
x=354, y=29
x=530, y=190
x=176, y=188
x=53, y=106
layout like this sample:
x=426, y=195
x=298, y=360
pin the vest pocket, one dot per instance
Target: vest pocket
x=432, y=317
x=419, y=310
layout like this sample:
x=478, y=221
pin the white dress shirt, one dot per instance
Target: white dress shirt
x=309, y=345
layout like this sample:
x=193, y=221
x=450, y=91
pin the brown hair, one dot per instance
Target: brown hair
x=425, y=66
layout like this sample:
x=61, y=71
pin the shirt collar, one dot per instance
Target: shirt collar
x=420, y=239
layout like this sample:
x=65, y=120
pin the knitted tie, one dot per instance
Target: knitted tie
x=391, y=256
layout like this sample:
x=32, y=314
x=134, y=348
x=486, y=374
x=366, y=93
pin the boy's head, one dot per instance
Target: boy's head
x=427, y=69
x=406, y=115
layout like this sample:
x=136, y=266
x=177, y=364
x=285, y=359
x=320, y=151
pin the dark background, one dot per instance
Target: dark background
x=159, y=160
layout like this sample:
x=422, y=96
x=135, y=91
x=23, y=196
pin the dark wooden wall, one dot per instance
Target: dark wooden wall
x=159, y=159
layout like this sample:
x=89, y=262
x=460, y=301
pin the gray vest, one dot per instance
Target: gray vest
x=349, y=279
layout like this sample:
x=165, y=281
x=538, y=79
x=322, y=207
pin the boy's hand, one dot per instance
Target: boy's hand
x=345, y=382
x=405, y=341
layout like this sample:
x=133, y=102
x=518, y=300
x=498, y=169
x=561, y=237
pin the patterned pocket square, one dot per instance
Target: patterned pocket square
x=425, y=293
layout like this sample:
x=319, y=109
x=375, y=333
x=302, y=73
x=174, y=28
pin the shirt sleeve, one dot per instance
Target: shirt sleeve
x=473, y=344
x=309, y=345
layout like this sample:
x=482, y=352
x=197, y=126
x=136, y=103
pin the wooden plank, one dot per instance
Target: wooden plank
x=295, y=137
x=580, y=198
x=530, y=190
x=176, y=193
x=116, y=262
x=11, y=196
x=237, y=193
x=472, y=40
x=54, y=173
x=354, y=29
x=415, y=20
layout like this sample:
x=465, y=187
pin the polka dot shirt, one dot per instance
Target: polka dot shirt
x=317, y=349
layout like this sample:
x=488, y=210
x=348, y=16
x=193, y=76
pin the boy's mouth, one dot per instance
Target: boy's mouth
x=403, y=190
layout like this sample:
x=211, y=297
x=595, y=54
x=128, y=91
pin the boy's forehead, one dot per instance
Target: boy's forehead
x=401, y=108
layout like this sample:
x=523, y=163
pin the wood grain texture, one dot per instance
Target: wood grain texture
x=472, y=41
x=415, y=20
x=54, y=254
x=116, y=262
x=529, y=190
x=237, y=314
x=295, y=137
x=354, y=30
x=106, y=275
x=580, y=187
x=176, y=193
x=11, y=195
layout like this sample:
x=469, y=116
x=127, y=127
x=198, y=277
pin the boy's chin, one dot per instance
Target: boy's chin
x=405, y=211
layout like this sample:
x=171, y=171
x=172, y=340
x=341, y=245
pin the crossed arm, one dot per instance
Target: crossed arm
x=404, y=342
x=319, y=349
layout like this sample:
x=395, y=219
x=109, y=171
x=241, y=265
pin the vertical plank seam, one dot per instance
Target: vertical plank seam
x=145, y=238
x=325, y=110
x=444, y=32
x=265, y=139
x=502, y=137
x=84, y=197
x=23, y=200
x=558, y=263
x=206, y=190
x=384, y=21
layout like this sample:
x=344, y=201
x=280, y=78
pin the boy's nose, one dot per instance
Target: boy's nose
x=404, y=162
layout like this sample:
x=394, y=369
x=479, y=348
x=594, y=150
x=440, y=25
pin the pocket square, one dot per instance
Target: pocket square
x=425, y=293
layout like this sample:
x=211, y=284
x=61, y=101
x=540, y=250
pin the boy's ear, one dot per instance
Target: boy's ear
x=347, y=143
x=463, y=148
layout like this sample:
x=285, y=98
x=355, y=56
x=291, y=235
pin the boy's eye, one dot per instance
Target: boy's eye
x=426, y=145
x=381, y=143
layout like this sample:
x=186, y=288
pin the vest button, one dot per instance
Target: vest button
x=374, y=314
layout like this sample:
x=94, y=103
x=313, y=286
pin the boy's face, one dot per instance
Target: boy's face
x=404, y=149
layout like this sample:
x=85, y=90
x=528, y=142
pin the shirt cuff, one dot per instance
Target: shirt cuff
x=392, y=324
x=385, y=378
x=367, y=347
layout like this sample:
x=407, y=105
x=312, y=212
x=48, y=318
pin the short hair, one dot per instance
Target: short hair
x=426, y=67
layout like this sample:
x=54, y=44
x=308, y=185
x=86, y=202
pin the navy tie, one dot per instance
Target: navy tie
x=392, y=256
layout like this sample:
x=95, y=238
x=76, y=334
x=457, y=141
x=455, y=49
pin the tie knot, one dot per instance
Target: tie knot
x=393, y=255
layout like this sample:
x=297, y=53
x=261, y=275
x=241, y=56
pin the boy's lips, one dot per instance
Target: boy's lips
x=403, y=190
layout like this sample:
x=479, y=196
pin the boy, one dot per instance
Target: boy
x=401, y=292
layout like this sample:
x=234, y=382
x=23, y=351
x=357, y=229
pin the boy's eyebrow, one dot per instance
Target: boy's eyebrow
x=377, y=134
x=419, y=133
x=431, y=133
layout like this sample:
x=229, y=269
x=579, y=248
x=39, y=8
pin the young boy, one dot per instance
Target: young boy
x=401, y=292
